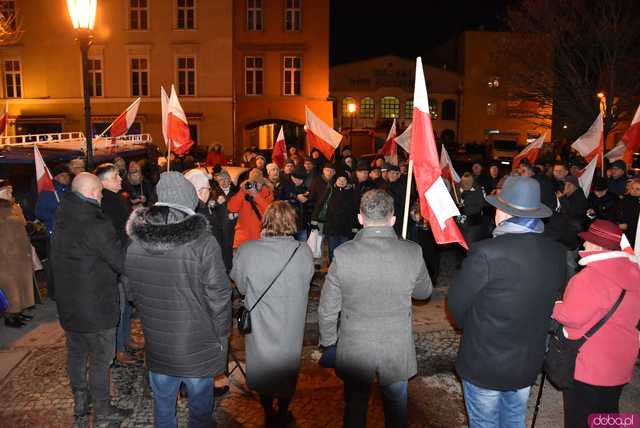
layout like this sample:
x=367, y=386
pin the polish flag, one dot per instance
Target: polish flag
x=279, y=153
x=164, y=100
x=121, y=125
x=4, y=118
x=617, y=152
x=625, y=245
x=590, y=144
x=631, y=138
x=436, y=204
x=43, y=176
x=446, y=166
x=531, y=152
x=390, y=149
x=404, y=139
x=585, y=176
x=177, y=126
x=320, y=135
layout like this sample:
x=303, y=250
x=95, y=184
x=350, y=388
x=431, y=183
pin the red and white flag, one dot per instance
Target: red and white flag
x=320, y=135
x=177, y=126
x=121, y=125
x=4, y=118
x=164, y=100
x=390, y=148
x=446, y=166
x=531, y=153
x=625, y=245
x=590, y=144
x=631, y=138
x=279, y=153
x=436, y=204
x=404, y=139
x=585, y=176
x=617, y=152
x=43, y=176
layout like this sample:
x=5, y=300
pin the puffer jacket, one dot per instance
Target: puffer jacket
x=177, y=279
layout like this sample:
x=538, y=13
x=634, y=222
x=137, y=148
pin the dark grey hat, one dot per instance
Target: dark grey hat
x=520, y=197
x=299, y=172
x=363, y=165
x=388, y=166
x=173, y=188
x=619, y=164
x=573, y=180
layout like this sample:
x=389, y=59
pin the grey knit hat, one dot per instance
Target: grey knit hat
x=173, y=188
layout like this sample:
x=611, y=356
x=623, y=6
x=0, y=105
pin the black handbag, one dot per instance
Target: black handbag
x=243, y=317
x=560, y=359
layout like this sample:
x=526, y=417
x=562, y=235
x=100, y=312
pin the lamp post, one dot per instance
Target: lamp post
x=83, y=15
x=603, y=102
x=351, y=108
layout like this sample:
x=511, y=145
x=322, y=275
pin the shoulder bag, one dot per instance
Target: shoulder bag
x=560, y=359
x=244, y=315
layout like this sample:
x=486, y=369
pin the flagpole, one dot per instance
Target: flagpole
x=455, y=193
x=407, y=200
x=169, y=156
x=125, y=112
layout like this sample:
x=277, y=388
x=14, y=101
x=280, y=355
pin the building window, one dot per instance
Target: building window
x=95, y=77
x=186, y=14
x=138, y=14
x=254, y=15
x=367, y=108
x=186, y=76
x=433, y=109
x=448, y=110
x=12, y=79
x=8, y=10
x=493, y=82
x=408, y=109
x=139, y=77
x=253, y=73
x=291, y=75
x=193, y=132
x=292, y=15
x=491, y=109
x=389, y=107
x=345, y=106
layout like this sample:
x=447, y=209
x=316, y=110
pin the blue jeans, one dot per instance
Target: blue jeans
x=333, y=242
x=123, y=333
x=488, y=408
x=200, y=400
x=394, y=402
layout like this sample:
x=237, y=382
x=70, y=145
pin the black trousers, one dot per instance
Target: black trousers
x=584, y=399
x=97, y=350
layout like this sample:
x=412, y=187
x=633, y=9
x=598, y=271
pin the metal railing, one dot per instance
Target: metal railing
x=30, y=139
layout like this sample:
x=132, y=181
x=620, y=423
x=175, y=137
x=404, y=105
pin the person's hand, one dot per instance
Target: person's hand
x=142, y=199
x=623, y=226
x=301, y=198
x=221, y=200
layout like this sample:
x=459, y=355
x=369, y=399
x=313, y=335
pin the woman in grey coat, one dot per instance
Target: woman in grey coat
x=274, y=346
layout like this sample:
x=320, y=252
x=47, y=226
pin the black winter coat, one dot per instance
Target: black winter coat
x=86, y=258
x=177, y=279
x=604, y=207
x=502, y=298
x=627, y=211
x=117, y=209
x=289, y=192
x=341, y=206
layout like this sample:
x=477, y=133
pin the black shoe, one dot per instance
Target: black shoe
x=13, y=322
x=80, y=403
x=219, y=392
x=106, y=415
x=25, y=317
x=80, y=422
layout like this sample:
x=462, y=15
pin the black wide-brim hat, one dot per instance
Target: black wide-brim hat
x=520, y=197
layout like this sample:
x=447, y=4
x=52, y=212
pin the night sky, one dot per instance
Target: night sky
x=363, y=29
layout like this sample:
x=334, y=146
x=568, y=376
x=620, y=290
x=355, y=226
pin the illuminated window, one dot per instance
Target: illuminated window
x=491, y=109
x=433, y=109
x=186, y=18
x=186, y=75
x=408, y=109
x=345, y=106
x=291, y=79
x=254, y=15
x=253, y=73
x=448, y=110
x=493, y=82
x=367, y=108
x=8, y=10
x=389, y=107
x=95, y=77
x=138, y=14
x=292, y=15
x=139, y=77
x=12, y=79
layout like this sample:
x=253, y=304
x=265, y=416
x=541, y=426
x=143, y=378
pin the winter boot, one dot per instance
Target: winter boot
x=107, y=415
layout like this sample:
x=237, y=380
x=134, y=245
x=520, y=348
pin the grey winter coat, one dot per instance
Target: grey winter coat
x=371, y=280
x=176, y=277
x=274, y=346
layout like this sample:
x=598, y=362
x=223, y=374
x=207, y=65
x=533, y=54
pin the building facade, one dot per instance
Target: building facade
x=281, y=63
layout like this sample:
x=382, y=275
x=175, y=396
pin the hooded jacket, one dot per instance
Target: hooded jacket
x=608, y=357
x=177, y=279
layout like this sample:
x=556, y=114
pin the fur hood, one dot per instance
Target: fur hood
x=159, y=237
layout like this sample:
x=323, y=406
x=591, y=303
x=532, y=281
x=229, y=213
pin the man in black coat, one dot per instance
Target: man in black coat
x=502, y=298
x=628, y=209
x=293, y=190
x=223, y=190
x=86, y=258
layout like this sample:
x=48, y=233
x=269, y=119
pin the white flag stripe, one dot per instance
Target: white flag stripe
x=420, y=96
x=590, y=140
x=281, y=137
x=617, y=152
x=393, y=131
x=446, y=160
x=174, y=106
x=586, y=177
x=440, y=202
x=132, y=112
x=321, y=129
x=164, y=99
x=404, y=139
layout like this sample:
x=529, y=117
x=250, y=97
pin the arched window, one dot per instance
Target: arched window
x=367, y=108
x=408, y=109
x=433, y=109
x=346, y=102
x=389, y=107
x=448, y=110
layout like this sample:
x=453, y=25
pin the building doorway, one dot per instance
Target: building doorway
x=262, y=134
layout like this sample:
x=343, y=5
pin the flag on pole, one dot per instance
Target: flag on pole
x=390, y=148
x=625, y=245
x=121, y=125
x=531, y=152
x=279, y=153
x=590, y=144
x=404, y=139
x=43, y=176
x=320, y=135
x=446, y=166
x=631, y=139
x=585, y=176
x=617, y=152
x=436, y=204
x=164, y=99
x=4, y=118
x=177, y=126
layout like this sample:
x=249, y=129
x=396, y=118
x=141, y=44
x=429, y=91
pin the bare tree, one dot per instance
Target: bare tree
x=563, y=53
x=10, y=28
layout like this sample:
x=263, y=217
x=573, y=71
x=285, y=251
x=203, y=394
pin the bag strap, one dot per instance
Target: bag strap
x=276, y=278
x=604, y=319
x=252, y=202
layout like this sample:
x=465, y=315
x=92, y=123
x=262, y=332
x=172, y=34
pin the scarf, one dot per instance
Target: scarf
x=519, y=225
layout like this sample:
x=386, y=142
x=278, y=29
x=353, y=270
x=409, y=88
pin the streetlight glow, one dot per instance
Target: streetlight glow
x=351, y=108
x=600, y=95
x=82, y=13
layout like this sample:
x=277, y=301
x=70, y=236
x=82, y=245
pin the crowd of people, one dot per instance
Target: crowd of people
x=177, y=245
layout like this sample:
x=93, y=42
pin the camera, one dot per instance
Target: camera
x=250, y=185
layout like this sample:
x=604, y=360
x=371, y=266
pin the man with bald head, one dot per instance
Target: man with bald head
x=86, y=259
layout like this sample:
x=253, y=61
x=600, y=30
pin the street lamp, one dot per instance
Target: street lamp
x=351, y=108
x=83, y=15
x=603, y=102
